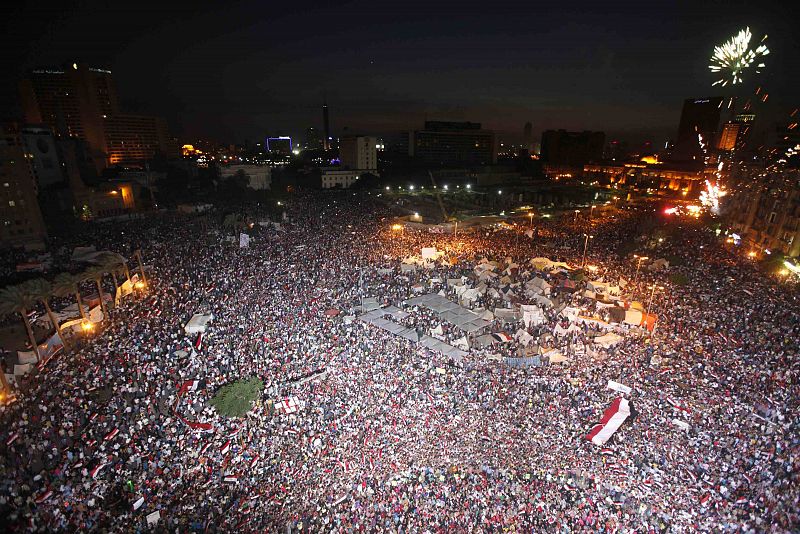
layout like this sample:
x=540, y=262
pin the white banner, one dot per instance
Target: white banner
x=616, y=386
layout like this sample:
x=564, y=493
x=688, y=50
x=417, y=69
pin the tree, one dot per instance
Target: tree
x=96, y=274
x=42, y=290
x=678, y=279
x=66, y=284
x=14, y=299
x=111, y=263
x=236, y=399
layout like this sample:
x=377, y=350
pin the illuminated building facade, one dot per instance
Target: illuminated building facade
x=135, y=138
x=281, y=146
x=359, y=153
x=764, y=209
x=670, y=178
x=21, y=220
x=81, y=102
x=453, y=144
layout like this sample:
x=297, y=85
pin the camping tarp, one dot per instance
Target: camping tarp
x=608, y=340
x=198, y=323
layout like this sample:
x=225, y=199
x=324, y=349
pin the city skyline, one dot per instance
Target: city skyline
x=237, y=73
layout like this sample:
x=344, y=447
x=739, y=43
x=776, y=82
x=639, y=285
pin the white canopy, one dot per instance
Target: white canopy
x=198, y=322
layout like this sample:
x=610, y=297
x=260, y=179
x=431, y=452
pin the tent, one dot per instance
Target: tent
x=608, y=340
x=617, y=314
x=523, y=337
x=633, y=317
x=532, y=315
x=198, y=323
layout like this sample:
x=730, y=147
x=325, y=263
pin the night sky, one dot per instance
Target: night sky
x=236, y=71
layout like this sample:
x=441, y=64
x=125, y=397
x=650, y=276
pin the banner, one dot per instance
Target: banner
x=244, y=241
x=614, y=416
x=616, y=386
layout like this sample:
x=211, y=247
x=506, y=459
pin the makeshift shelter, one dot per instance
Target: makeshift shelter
x=198, y=323
x=532, y=315
x=616, y=314
x=608, y=340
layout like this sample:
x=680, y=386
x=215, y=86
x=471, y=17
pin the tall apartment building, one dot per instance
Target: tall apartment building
x=764, y=209
x=359, y=153
x=81, y=102
x=20, y=217
x=134, y=138
x=572, y=149
x=453, y=144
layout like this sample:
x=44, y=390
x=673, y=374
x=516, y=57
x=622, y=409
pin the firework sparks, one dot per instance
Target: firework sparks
x=733, y=56
x=711, y=196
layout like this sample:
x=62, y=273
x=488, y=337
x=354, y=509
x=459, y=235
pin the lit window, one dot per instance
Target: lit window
x=12, y=203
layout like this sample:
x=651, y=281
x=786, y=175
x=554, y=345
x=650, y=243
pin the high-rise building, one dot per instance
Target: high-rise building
x=313, y=140
x=527, y=136
x=81, y=102
x=764, y=209
x=700, y=123
x=21, y=220
x=135, y=138
x=326, y=127
x=42, y=148
x=281, y=145
x=572, y=149
x=453, y=144
x=359, y=153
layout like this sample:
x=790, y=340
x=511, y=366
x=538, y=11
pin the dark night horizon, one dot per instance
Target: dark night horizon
x=232, y=72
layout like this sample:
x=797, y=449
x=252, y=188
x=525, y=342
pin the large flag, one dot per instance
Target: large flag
x=612, y=419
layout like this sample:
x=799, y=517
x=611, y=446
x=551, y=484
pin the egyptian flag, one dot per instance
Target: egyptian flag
x=225, y=448
x=191, y=385
x=253, y=461
x=231, y=478
x=605, y=451
x=138, y=504
x=47, y=494
x=198, y=343
x=94, y=472
x=502, y=337
x=205, y=448
x=111, y=435
x=612, y=419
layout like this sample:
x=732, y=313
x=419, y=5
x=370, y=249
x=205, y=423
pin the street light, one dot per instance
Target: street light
x=576, y=215
x=591, y=210
x=531, y=216
x=638, y=265
x=585, y=247
x=652, y=293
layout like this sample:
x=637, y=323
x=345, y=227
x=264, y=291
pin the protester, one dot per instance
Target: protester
x=391, y=436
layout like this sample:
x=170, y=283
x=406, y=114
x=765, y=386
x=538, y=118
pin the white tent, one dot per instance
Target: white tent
x=532, y=315
x=608, y=340
x=198, y=322
x=523, y=337
x=633, y=317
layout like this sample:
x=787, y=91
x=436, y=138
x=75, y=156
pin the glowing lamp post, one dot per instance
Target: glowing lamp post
x=585, y=247
x=638, y=266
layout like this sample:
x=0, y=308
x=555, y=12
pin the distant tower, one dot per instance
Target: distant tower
x=326, y=126
x=527, y=136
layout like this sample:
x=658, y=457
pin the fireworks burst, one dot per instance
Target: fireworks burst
x=711, y=196
x=733, y=56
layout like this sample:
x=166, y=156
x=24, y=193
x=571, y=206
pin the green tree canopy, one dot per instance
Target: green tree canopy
x=236, y=399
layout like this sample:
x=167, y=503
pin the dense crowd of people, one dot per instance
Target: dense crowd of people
x=390, y=436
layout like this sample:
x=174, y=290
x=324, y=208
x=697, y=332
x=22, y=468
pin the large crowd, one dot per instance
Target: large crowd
x=391, y=436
